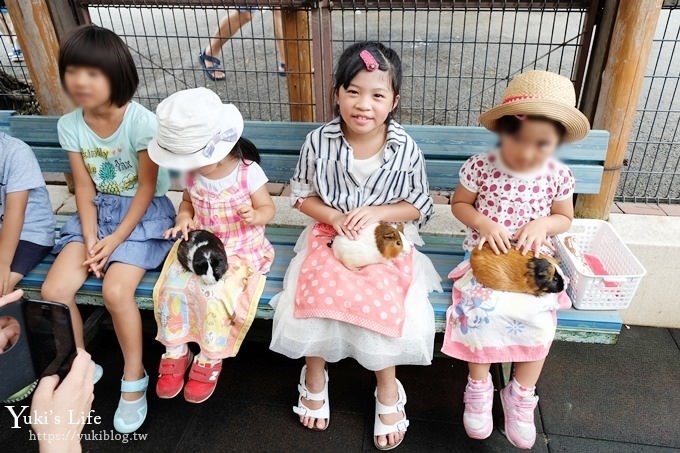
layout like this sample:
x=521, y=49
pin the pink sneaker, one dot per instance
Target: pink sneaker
x=519, y=418
x=477, y=417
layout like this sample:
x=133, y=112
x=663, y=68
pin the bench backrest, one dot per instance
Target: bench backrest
x=445, y=148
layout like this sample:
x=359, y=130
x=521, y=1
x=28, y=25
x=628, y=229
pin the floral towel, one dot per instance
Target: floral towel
x=487, y=326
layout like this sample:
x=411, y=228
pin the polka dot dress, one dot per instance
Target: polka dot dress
x=512, y=199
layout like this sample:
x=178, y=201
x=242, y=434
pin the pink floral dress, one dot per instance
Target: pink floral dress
x=217, y=317
x=487, y=326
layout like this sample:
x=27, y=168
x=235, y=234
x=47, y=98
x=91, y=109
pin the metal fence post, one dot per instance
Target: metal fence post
x=298, y=64
x=622, y=78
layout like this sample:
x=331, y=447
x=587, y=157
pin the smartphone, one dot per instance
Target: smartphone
x=45, y=344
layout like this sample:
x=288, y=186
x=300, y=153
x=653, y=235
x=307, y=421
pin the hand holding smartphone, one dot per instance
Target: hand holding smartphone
x=43, y=346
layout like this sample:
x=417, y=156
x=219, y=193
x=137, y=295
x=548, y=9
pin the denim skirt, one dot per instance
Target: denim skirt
x=144, y=248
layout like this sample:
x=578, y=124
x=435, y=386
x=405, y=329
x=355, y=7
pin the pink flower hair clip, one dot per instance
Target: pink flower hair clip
x=369, y=60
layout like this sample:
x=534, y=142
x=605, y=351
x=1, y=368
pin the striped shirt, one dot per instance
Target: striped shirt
x=325, y=170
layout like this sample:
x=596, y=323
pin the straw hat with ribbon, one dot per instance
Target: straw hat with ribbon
x=194, y=130
x=541, y=93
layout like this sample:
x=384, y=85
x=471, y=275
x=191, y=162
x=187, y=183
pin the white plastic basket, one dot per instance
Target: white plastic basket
x=592, y=292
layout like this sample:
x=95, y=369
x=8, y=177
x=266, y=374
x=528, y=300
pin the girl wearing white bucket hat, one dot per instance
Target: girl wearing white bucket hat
x=515, y=196
x=225, y=194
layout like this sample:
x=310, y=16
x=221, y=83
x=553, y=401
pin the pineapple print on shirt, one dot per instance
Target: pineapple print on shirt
x=110, y=170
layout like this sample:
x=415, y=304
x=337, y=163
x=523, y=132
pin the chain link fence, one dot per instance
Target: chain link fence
x=457, y=56
x=652, y=169
x=16, y=92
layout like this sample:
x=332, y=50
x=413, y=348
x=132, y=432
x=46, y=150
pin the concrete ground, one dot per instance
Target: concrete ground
x=619, y=398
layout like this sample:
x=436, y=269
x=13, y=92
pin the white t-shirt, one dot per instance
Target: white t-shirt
x=362, y=169
x=256, y=179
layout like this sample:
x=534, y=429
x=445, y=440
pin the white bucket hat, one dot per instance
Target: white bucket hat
x=194, y=130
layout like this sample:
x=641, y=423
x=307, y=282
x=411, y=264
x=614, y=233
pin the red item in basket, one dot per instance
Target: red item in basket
x=598, y=268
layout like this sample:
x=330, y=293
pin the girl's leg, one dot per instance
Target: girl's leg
x=14, y=279
x=479, y=371
x=120, y=283
x=64, y=278
x=527, y=373
x=315, y=380
x=388, y=394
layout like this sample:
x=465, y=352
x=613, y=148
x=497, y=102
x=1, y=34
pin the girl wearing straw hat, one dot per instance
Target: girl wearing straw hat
x=519, y=196
x=226, y=195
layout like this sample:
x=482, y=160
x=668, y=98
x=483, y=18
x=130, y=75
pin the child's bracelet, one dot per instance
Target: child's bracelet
x=298, y=202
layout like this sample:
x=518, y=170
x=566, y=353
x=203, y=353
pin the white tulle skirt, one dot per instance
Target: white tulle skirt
x=335, y=340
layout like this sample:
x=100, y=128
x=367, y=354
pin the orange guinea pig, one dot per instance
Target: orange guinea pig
x=515, y=272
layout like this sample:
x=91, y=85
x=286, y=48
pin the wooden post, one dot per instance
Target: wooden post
x=322, y=53
x=66, y=17
x=598, y=57
x=298, y=64
x=40, y=45
x=38, y=40
x=622, y=78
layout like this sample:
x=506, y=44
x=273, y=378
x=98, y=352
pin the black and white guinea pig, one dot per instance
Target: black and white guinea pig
x=204, y=255
x=377, y=243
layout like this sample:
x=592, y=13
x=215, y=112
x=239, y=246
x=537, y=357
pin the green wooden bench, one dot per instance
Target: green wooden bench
x=445, y=149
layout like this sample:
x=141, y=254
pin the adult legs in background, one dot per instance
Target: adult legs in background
x=280, y=43
x=232, y=23
x=228, y=26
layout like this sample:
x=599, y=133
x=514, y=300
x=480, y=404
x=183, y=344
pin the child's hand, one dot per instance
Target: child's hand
x=184, y=225
x=533, y=236
x=100, y=253
x=496, y=235
x=248, y=214
x=338, y=223
x=5, y=272
x=89, y=245
x=358, y=218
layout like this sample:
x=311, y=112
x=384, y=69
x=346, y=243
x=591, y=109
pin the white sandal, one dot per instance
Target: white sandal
x=381, y=429
x=324, y=411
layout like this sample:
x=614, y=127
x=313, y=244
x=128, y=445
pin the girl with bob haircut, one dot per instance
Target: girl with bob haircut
x=117, y=234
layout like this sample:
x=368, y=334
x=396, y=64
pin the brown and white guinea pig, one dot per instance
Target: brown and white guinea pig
x=515, y=272
x=204, y=255
x=377, y=243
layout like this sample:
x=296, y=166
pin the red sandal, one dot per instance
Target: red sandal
x=171, y=375
x=202, y=381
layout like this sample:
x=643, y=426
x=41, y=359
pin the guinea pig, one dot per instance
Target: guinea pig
x=515, y=272
x=377, y=243
x=204, y=255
